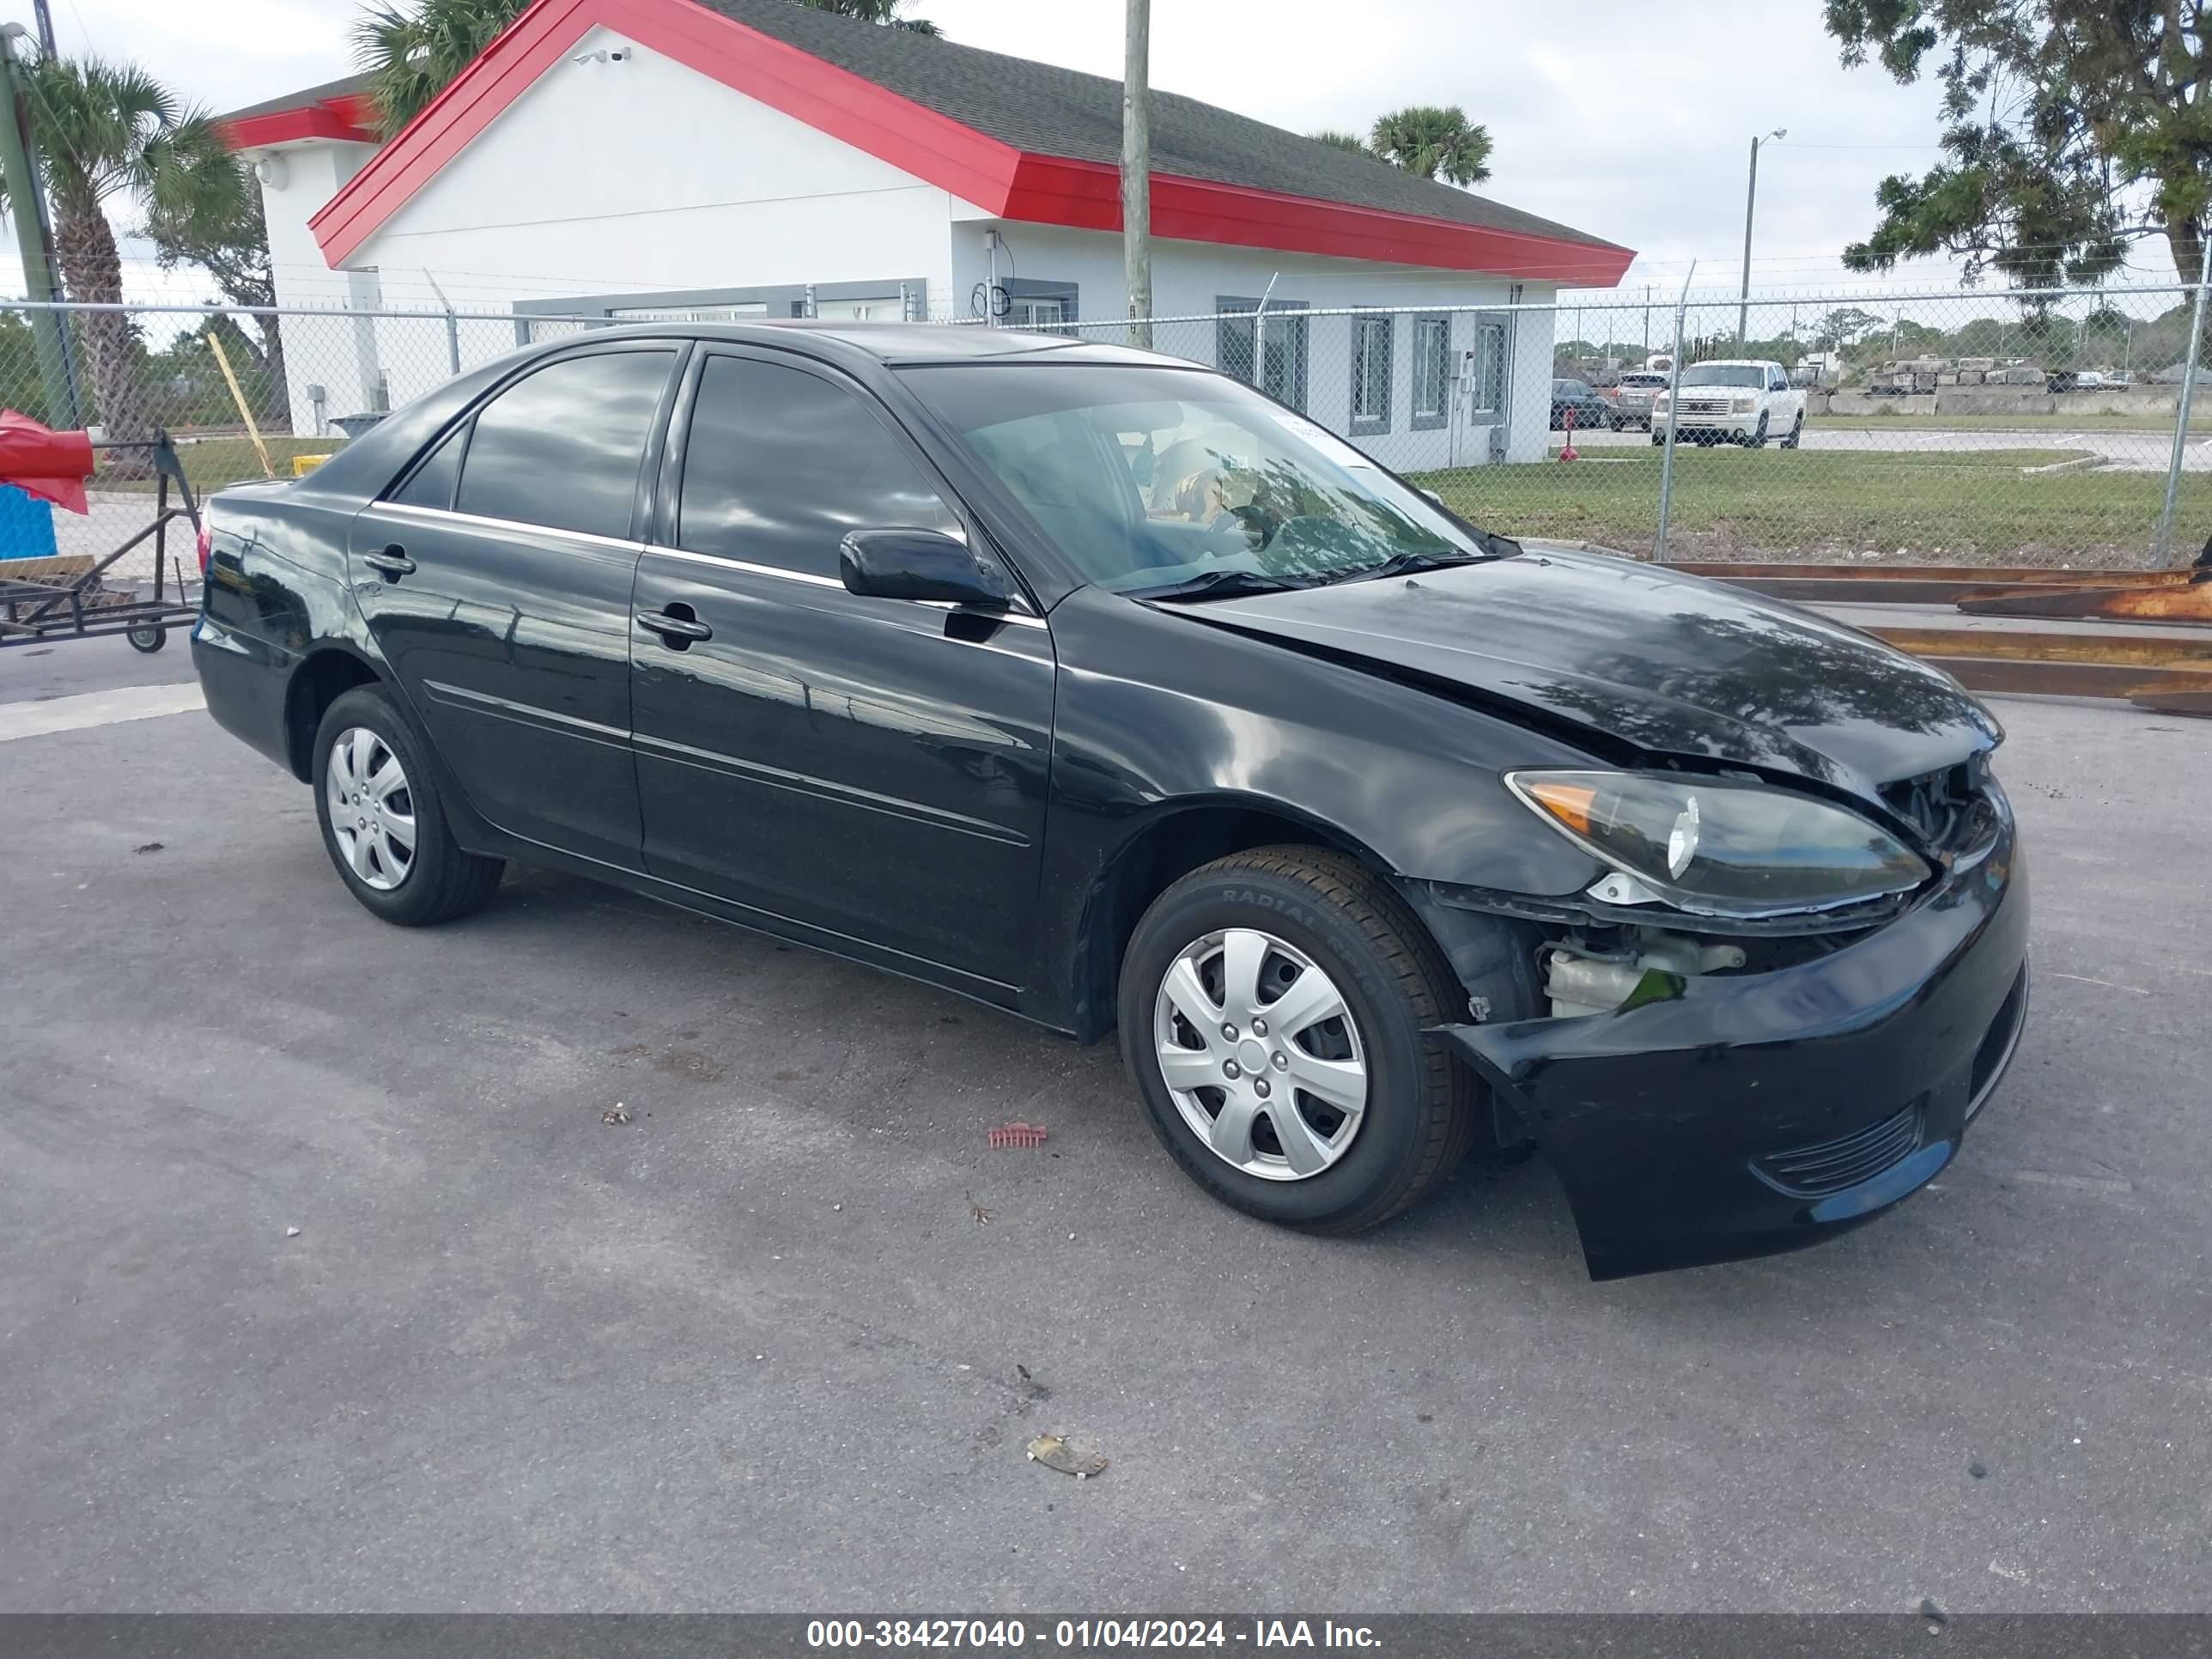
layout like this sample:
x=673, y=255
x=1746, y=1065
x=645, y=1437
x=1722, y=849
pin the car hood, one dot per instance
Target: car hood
x=1667, y=663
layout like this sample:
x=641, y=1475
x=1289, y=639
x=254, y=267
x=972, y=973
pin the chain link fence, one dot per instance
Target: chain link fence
x=1953, y=428
x=241, y=394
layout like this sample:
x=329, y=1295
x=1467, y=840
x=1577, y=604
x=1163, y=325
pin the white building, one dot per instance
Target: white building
x=647, y=158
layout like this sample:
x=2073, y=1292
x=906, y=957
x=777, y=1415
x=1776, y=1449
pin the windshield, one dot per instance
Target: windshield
x=1151, y=479
x=1725, y=374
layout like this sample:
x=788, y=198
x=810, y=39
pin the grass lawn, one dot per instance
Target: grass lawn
x=211, y=463
x=1963, y=507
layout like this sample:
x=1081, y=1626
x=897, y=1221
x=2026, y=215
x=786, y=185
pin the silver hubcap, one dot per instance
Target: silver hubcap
x=372, y=809
x=1260, y=1054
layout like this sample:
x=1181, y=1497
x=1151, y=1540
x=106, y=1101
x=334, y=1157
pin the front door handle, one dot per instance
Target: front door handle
x=675, y=630
x=392, y=561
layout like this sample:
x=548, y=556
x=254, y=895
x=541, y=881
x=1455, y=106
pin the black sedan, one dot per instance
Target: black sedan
x=1106, y=690
x=1580, y=399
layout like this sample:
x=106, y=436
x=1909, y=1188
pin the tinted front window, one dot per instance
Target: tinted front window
x=780, y=463
x=562, y=447
x=1146, y=478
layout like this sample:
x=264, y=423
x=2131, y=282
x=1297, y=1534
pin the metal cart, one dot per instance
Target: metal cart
x=77, y=609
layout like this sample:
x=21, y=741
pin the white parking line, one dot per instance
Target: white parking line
x=128, y=703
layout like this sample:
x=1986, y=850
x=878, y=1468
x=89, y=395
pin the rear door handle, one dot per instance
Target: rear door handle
x=679, y=631
x=392, y=561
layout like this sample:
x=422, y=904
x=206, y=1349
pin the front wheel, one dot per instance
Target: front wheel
x=1272, y=1008
x=1758, y=438
x=1797, y=431
x=148, y=637
x=382, y=822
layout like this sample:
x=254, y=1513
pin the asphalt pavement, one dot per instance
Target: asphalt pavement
x=327, y=1284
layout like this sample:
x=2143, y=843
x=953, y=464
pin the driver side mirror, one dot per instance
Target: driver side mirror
x=916, y=564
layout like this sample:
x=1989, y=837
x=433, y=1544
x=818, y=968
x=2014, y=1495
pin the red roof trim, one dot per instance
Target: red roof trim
x=348, y=116
x=995, y=176
x=1087, y=195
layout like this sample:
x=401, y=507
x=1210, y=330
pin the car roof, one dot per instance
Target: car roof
x=1733, y=363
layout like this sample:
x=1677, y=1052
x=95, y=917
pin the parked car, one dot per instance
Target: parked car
x=1579, y=397
x=1105, y=690
x=1733, y=401
x=1631, y=396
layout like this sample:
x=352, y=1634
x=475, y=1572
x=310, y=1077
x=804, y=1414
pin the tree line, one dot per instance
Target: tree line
x=1860, y=341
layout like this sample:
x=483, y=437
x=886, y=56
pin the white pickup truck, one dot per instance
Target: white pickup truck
x=1741, y=401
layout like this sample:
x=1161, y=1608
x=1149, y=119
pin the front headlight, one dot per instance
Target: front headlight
x=1743, y=406
x=1722, y=848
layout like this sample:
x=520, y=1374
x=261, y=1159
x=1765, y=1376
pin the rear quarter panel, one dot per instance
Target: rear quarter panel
x=275, y=591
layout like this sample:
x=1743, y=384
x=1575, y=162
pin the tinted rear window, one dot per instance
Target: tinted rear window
x=562, y=447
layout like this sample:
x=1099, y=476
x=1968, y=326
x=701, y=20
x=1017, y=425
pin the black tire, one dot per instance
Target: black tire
x=1423, y=1108
x=1797, y=431
x=1757, y=439
x=444, y=881
x=147, y=638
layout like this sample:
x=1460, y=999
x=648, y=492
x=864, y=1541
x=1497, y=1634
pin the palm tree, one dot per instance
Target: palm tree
x=105, y=129
x=221, y=230
x=1351, y=142
x=412, y=50
x=1437, y=142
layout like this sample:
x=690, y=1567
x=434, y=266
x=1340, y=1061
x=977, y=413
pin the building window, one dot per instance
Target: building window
x=732, y=314
x=1371, y=339
x=1488, y=370
x=1283, y=374
x=1036, y=302
x=1432, y=373
x=890, y=299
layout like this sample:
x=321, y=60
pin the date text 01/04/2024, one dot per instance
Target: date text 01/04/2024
x=1085, y=1633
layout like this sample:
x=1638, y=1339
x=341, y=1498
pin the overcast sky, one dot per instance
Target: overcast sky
x=1623, y=118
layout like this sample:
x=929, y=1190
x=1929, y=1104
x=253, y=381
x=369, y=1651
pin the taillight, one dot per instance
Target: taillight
x=206, y=543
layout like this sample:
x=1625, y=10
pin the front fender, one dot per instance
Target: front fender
x=1156, y=712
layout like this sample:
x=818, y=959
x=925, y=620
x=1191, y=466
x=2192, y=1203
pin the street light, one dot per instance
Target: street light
x=1750, y=197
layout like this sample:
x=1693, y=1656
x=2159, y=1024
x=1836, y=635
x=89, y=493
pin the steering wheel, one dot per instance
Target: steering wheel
x=1263, y=524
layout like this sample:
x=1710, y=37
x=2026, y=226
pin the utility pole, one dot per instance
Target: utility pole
x=46, y=28
x=24, y=201
x=1137, y=173
x=1750, y=200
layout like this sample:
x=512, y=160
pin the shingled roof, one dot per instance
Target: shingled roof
x=1050, y=111
x=346, y=86
x=1023, y=141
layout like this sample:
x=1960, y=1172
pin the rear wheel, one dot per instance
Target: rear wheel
x=148, y=637
x=382, y=822
x=1272, y=1008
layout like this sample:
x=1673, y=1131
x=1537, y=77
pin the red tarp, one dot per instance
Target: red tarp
x=40, y=461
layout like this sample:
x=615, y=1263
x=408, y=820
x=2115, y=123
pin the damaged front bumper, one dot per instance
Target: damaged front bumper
x=1757, y=1113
